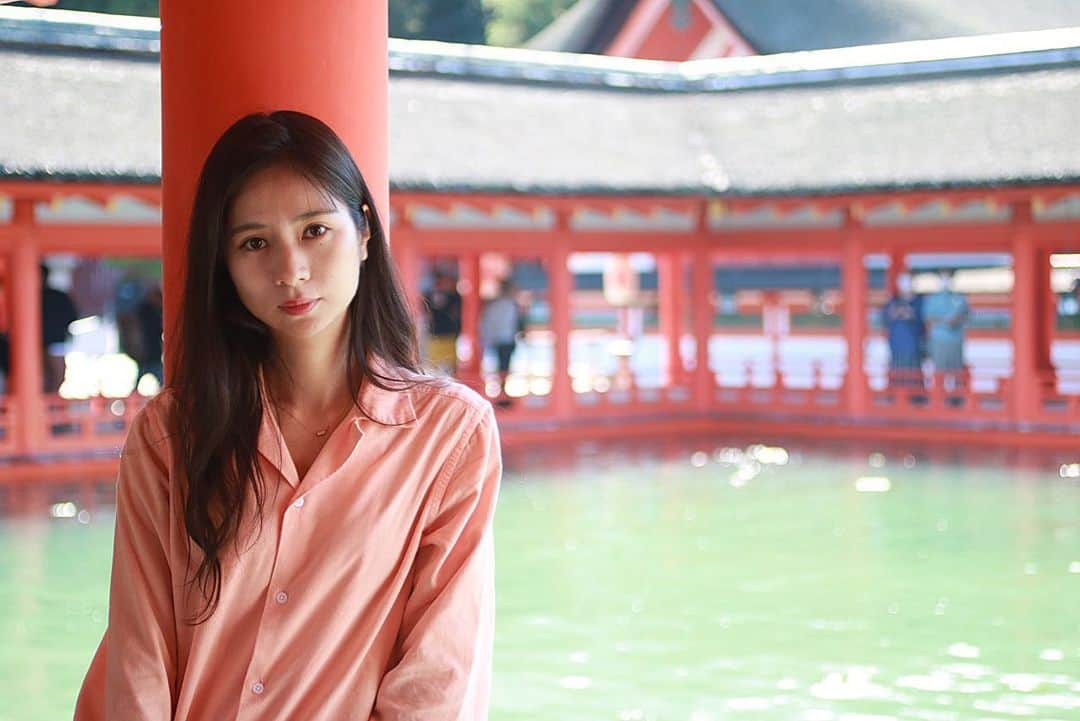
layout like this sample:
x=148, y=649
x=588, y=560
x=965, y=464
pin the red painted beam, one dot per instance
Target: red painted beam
x=47, y=190
x=93, y=240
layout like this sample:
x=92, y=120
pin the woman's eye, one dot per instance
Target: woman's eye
x=315, y=230
x=253, y=244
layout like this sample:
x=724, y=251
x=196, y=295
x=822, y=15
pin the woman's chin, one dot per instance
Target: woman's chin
x=305, y=329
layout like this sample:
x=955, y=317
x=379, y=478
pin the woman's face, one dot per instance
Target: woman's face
x=294, y=255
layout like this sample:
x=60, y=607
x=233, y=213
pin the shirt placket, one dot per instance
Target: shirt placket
x=259, y=688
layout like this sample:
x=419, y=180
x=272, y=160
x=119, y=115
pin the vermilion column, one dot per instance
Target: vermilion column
x=26, y=343
x=1047, y=308
x=223, y=60
x=669, y=267
x=855, y=302
x=469, y=372
x=701, y=282
x=1025, y=322
x=560, y=288
x=408, y=264
x=897, y=261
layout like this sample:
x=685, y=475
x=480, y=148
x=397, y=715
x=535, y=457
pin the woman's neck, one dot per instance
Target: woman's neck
x=310, y=376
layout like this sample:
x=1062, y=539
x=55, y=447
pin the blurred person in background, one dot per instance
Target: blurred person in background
x=57, y=313
x=148, y=313
x=443, y=306
x=1070, y=305
x=946, y=313
x=902, y=320
x=500, y=323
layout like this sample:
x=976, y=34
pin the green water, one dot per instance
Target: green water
x=642, y=582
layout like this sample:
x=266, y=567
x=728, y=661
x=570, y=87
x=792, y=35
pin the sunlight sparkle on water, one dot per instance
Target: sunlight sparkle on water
x=963, y=650
x=872, y=484
x=850, y=684
x=768, y=455
x=575, y=682
x=63, y=510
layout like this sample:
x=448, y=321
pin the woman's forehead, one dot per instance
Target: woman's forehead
x=279, y=191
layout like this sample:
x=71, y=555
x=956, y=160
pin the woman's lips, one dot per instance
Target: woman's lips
x=299, y=307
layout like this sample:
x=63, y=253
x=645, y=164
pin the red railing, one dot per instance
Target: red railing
x=982, y=397
x=961, y=398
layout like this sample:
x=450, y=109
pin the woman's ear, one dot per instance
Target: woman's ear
x=365, y=230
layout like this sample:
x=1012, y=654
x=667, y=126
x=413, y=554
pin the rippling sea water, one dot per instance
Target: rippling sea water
x=693, y=579
x=704, y=579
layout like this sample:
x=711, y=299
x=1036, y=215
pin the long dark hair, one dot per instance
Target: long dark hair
x=222, y=347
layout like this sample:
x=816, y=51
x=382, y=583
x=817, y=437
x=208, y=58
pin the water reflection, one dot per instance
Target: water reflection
x=63, y=502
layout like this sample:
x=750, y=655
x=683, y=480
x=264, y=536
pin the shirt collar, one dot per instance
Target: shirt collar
x=389, y=407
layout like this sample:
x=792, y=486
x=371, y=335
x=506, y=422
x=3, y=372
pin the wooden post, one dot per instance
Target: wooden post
x=407, y=259
x=670, y=280
x=1026, y=319
x=897, y=265
x=223, y=60
x=1046, y=310
x=27, y=351
x=854, y=282
x=702, y=291
x=470, y=372
x=560, y=287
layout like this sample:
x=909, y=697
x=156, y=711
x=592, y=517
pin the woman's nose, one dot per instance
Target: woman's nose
x=292, y=267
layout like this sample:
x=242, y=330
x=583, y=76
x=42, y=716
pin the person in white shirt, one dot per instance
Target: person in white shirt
x=499, y=326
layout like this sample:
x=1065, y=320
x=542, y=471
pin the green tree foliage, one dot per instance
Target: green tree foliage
x=455, y=21
x=498, y=22
x=515, y=21
x=146, y=8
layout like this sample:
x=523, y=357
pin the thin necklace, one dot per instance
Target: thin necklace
x=322, y=431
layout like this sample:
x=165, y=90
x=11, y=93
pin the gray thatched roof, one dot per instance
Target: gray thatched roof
x=83, y=114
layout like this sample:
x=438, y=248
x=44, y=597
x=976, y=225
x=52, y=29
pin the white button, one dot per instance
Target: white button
x=281, y=597
x=299, y=502
x=258, y=688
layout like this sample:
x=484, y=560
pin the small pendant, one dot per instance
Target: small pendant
x=323, y=432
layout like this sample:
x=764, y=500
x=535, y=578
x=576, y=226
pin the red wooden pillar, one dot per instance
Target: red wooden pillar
x=408, y=263
x=1024, y=326
x=223, y=60
x=26, y=344
x=560, y=288
x=897, y=265
x=670, y=277
x=701, y=283
x=854, y=284
x=1047, y=310
x=1030, y=345
x=469, y=371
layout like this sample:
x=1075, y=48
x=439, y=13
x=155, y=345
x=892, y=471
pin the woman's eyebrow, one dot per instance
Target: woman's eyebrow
x=311, y=213
x=303, y=216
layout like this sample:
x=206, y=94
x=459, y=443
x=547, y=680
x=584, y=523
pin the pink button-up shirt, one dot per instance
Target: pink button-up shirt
x=368, y=594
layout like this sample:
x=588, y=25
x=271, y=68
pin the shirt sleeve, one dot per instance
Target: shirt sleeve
x=442, y=662
x=132, y=675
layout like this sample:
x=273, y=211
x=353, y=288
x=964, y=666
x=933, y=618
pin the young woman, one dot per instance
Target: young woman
x=303, y=522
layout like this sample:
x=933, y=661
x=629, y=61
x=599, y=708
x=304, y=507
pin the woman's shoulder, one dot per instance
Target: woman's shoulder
x=446, y=392
x=152, y=428
x=424, y=398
